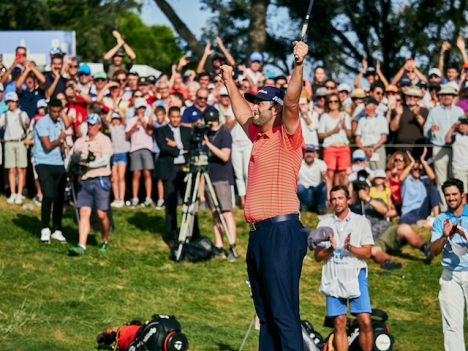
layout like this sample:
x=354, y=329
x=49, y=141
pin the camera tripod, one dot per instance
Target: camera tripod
x=198, y=167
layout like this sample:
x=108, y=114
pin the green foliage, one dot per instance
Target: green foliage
x=51, y=301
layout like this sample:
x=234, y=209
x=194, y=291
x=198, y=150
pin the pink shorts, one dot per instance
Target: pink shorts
x=337, y=158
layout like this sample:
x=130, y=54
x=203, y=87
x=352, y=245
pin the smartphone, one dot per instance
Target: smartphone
x=19, y=57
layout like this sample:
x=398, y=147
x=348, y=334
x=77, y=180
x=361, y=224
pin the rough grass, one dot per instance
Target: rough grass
x=50, y=301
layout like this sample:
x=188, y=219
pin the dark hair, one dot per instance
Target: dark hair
x=95, y=107
x=327, y=100
x=54, y=102
x=136, y=91
x=180, y=97
x=453, y=182
x=377, y=84
x=340, y=187
x=57, y=56
x=172, y=109
x=279, y=78
x=20, y=47
x=160, y=109
x=453, y=65
x=203, y=74
x=316, y=68
x=329, y=80
x=119, y=71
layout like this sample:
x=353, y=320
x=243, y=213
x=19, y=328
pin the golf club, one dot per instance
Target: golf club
x=305, y=25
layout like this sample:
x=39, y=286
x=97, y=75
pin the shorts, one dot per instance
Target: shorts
x=223, y=192
x=337, y=306
x=388, y=241
x=141, y=160
x=16, y=155
x=337, y=158
x=120, y=158
x=91, y=193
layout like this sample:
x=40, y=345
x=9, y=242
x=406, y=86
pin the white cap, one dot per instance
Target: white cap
x=139, y=102
x=379, y=173
x=11, y=96
x=223, y=91
x=41, y=103
x=1, y=87
x=458, y=249
x=359, y=155
x=435, y=71
x=344, y=87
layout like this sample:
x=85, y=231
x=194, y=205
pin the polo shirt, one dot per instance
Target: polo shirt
x=99, y=146
x=311, y=176
x=450, y=260
x=140, y=139
x=192, y=114
x=29, y=101
x=444, y=118
x=459, y=151
x=413, y=193
x=370, y=129
x=274, y=165
x=45, y=126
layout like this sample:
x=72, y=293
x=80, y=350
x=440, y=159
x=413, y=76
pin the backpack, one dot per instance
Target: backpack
x=201, y=249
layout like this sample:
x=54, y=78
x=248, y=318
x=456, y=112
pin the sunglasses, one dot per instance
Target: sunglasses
x=333, y=101
x=329, y=87
x=434, y=76
x=122, y=80
x=378, y=93
x=202, y=97
x=73, y=66
x=217, y=80
x=82, y=74
x=137, y=96
x=410, y=71
x=398, y=100
x=401, y=159
x=100, y=80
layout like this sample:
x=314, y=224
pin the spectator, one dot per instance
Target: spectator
x=217, y=59
x=397, y=163
x=113, y=59
x=177, y=99
x=312, y=188
x=404, y=84
x=55, y=82
x=16, y=123
x=318, y=79
x=132, y=84
x=94, y=186
x=357, y=96
x=387, y=238
x=115, y=99
x=49, y=137
x=120, y=148
x=70, y=68
x=85, y=80
x=162, y=86
x=143, y=86
x=435, y=76
x=309, y=121
x=15, y=72
x=280, y=82
x=253, y=73
x=371, y=135
x=410, y=71
x=330, y=85
x=204, y=79
x=457, y=136
x=193, y=113
x=161, y=121
x=335, y=131
x=438, y=123
x=379, y=190
x=343, y=94
x=139, y=131
x=33, y=92
x=371, y=74
x=3, y=105
x=174, y=142
x=100, y=81
x=419, y=196
x=192, y=89
x=220, y=171
x=463, y=102
x=320, y=97
x=409, y=121
x=452, y=69
x=358, y=164
x=224, y=107
x=434, y=89
x=449, y=237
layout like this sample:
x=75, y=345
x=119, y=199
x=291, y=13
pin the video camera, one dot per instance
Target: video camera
x=361, y=180
x=75, y=160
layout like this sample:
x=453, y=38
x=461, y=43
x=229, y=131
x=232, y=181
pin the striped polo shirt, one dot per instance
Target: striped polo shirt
x=273, y=173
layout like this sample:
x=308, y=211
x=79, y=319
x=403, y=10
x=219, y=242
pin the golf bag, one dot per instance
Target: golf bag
x=161, y=333
x=311, y=339
x=383, y=340
x=200, y=249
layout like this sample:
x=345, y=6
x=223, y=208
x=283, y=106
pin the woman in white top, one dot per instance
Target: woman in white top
x=335, y=131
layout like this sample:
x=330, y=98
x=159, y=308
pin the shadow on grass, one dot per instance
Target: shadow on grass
x=224, y=347
x=148, y=222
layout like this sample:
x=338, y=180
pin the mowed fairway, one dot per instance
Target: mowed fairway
x=51, y=301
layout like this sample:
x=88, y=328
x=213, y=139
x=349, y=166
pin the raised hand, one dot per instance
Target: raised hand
x=364, y=64
x=448, y=227
x=300, y=51
x=410, y=157
x=423, y=156
x=225, y=72
x=208, y=49
x=445, y=46
x=461, y=43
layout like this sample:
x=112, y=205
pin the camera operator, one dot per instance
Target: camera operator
x=386, y=237
x=95, y=151
x=219, y=143
x=49, y=137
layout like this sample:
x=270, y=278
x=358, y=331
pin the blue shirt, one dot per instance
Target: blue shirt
x=47, y=127
x=29, y=101
x=192, y=114
x=451, y=260
x=444, y=118
x=413, y=193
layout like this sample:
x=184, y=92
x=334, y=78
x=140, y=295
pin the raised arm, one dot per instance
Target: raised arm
x=208, y=51
x=407, y=170
x=22, y=78
x=399, y=74
x=445, y=46
x=461, y=46
x=380, y=74
x=361, y=73
x=293, y=92
x=448, y=136
x=240, y=106
x=108, y=55
x=226, y=53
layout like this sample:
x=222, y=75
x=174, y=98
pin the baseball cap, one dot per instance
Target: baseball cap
x=120, y=52
x=310, y=148
x=133, y=73
x=41, y=103
x=256, y=56
x=11, y=96
x=322, y=91
x=422, y=84
x=435, y=71
x=379, y=173
x=433, y=85
x=16, y=70
x=210, y=114
x=223, y=91
x=1, y=87
x=267, y=94
x=115, y=115
x=358, y=93
x=139, y=102
x=84, y=68
x=344, y=87
x=370, y=100
x=151, y=79
x=143, y=81
x=317, y=236
x=463, y=119
x=100, y=75
x=370, y=71
x=93, y=119
x=465, y=66
x=55, y=51
x=359, y=155
x=391, y=89
x=405, y=81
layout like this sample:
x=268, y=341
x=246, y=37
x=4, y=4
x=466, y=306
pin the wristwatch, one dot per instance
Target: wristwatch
x=349, y=247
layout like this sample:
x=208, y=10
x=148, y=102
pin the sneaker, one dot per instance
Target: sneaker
x=45, y=235
x=219, y=252
x=76, y=250
x=57, y=235
x=11, y=199
x=160, y=204
x=119, y=204
x=37, y=201
x=134, y=202
x=19, y=199
x=114, y=203
x=388, y=264
x=426, y=248
x=231, y=257
x=148, y=202
x=104, y=246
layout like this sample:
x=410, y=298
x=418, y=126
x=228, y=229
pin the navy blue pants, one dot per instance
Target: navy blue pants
x=274, y=264
x=314, y=198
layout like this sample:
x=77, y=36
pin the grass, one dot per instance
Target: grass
x=51, y=301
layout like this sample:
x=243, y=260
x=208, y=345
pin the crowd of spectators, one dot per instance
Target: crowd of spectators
x=408, y=133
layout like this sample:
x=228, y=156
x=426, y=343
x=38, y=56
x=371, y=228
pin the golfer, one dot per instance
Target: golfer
x=277, y=241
